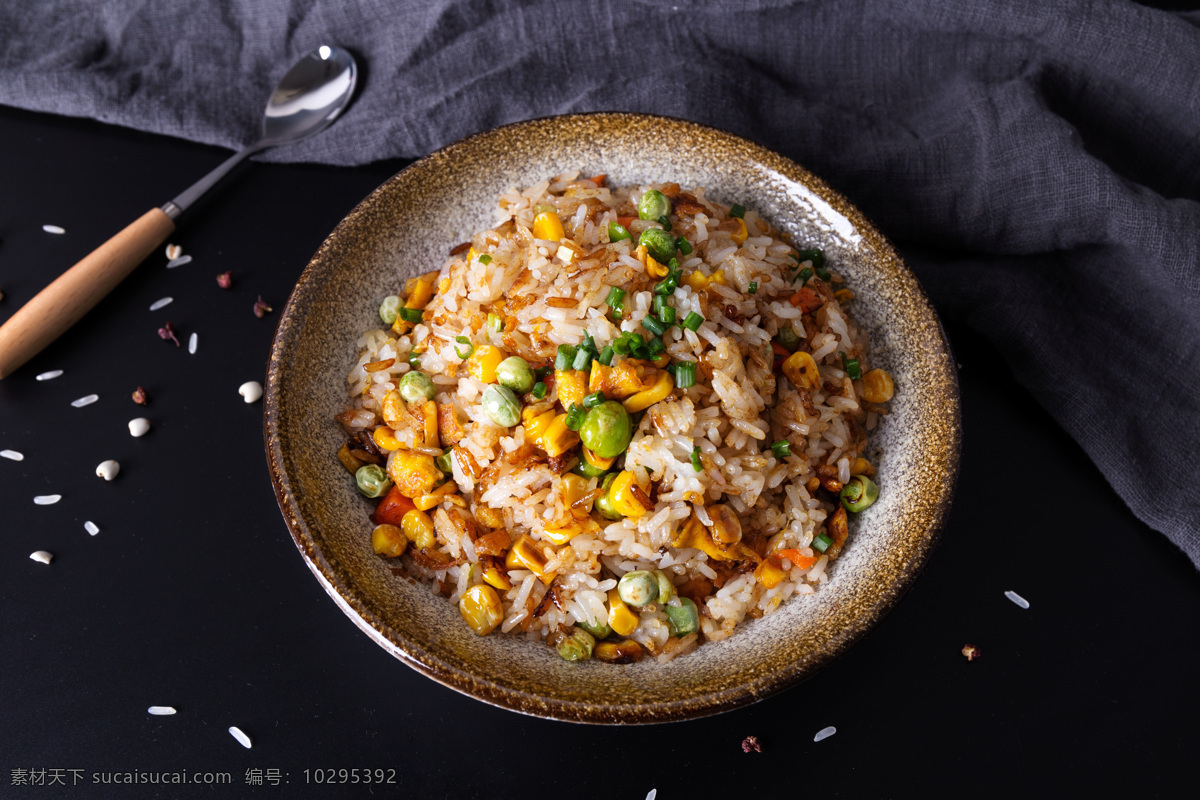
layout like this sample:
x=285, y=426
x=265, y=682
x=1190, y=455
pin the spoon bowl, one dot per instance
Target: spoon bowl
x=310, y=96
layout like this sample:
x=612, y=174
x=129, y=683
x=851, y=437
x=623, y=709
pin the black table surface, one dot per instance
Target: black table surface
x=194, y=596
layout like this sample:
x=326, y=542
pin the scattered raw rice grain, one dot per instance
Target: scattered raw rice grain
x=85, y=401
x=192, y=341
x=49, y=376
x=42, y=556
x=653, y=793
x=139, y=427
x=161, y=303
x=250, y=391
x=12, y=455
x=46, y=499
x=55, y=229
x=173, y=252
x=160, y=711
x=242, y=738
x=108, y=469
x=825, y=733
x=1016, y=598
x=91, y=527
x=179, y=262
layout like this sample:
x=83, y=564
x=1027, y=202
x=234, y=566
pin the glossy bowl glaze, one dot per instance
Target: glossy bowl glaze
x=408, y=225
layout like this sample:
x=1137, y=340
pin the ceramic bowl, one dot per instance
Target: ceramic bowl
x=409, y=224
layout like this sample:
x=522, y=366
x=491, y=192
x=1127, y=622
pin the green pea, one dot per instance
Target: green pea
x=653, y=204
x=588, y=469
x=666, y=589
x=659, y=244
x=372, y=480
x=599, y=630
x=788, y=337
x=859, y=493
x=638, y=588
x=604, y=502
x=577, y=645
x=683, y=619
x=502, y=405
x=416, y=387
x=443, y=462
x=514, y=372
x=389, y=309
x=607, y=429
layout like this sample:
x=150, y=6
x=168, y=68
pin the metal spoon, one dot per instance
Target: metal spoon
x=307, y=100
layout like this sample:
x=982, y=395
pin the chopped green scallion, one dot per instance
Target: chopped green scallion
x=665, y=222
x=594, y=399
x=617, y=232
x=685, y=374
x=655, y=347
x=575, y=417
x=463, y=347
x=615, y=296
x=738, y=210
x=566, y=355
x=822, y=543
x=539, y=390
x=606, y=356
x=653, y=325
x=414, y=361
x=752, y=288
x=485, y=259
x=583, y=358
x=851, y=366
x=684, y=246
x=410, y=314
x=781, y=449
x=667, y=316
x=495, y=323
x=803, y=275
x=696, y=465
x=693, y=321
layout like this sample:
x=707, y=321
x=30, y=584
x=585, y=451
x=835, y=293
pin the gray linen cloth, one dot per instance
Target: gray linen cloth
x=1036, y=161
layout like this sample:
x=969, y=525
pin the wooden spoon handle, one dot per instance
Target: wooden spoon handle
x=61, y=304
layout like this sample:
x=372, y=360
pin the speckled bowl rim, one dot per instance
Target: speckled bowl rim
x=425, y=661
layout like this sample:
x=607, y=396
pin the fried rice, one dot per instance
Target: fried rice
x=734, y=489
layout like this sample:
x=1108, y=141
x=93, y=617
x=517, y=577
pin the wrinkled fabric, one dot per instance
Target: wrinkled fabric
x=1037, y=162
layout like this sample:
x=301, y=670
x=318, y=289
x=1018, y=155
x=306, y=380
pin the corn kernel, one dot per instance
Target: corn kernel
x=598, y=461
x=769, y=573
x=496, y=577
x=620, y=618
x=562, y=531
x=878, y=386
x=648, y=397
x=414, y=474
x=385, y=437
x=483, y=362
x=394, y=410
x=574, y=488
x=418, y=529
x=718, y=277
x=429, y=409
x=489, y=516
x=536, y=423
x=655, y=269
x=571, y=385
x=739, y=236
x=388, y=541
x=861, y=466
x=801, y=370
x=547, y=225
x=348, y=461
x=558, y=438
x=696, y=281
x=623, y=499
x=524, y=554
x=480, y=606
x=433, y=499
x=420, y=293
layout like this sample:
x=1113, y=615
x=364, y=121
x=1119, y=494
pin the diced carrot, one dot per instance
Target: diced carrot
x=779, y=349
x=806, y=300
x=392, y=508
x=598, y=180
x=625, y=222
x=798, y=560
